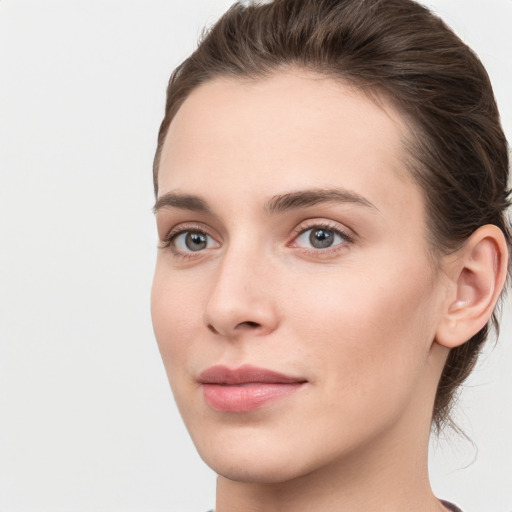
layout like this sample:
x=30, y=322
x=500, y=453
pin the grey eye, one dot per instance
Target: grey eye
x=193, y=241
x=196, y=241
x=320, y=238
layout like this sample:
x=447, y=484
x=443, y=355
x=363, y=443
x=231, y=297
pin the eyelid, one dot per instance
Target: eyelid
x=198, y=227
x=323, y=224
x=347, y=234
x=330, y=225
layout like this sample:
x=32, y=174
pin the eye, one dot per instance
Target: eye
x=321, y=237
x=192, y=241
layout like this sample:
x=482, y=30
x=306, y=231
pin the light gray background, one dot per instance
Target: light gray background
x=87, y=422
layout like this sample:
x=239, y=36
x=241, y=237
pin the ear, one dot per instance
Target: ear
x=477, y=276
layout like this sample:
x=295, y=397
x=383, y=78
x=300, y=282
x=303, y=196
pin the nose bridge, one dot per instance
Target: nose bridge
x=241, y=296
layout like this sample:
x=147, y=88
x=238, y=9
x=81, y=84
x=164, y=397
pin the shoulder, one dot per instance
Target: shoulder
x=447, y=504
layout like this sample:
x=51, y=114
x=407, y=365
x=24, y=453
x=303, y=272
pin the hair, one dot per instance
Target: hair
x=456, y=149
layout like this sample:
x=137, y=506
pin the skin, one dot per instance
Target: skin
x=357, y=320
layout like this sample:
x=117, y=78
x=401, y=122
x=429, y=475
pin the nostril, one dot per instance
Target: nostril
x=212, y=329
x=249, y=324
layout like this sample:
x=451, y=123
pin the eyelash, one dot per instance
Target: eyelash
x=169, y=241
x=327, y=226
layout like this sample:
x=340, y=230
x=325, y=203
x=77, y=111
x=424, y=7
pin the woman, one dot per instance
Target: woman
x=331, y=182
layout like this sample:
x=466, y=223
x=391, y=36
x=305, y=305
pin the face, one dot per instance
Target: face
x=294, y=301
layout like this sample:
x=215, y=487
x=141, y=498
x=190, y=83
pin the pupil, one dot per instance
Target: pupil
x=195, y=241
x=321, y=238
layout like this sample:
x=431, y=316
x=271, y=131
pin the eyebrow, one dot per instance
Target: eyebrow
x=305, y=198
x=277, y=204
x=182, y=202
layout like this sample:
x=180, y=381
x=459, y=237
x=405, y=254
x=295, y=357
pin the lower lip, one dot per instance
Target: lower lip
x=246, y=397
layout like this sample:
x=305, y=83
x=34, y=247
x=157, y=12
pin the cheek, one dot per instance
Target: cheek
x=368, y=337
x=176, y=315
x=174, y=312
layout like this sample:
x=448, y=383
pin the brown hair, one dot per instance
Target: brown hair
x=457, y=150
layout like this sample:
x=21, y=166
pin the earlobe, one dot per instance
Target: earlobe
x=478, y=274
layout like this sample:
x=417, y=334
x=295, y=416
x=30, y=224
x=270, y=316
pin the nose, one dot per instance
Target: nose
x=242, y=299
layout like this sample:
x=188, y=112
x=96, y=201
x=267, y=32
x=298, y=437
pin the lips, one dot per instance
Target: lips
x=245, y=388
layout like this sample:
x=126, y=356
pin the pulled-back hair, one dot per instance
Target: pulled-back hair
x=456, y=148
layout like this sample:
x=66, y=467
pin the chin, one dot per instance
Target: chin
x=257, y=470
x=251, y=457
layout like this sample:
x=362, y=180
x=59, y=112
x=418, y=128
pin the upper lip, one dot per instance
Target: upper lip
x=245, y=374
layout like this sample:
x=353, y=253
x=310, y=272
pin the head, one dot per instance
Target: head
x=385, y=89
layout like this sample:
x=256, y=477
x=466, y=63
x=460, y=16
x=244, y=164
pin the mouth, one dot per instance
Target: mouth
x=245, y=388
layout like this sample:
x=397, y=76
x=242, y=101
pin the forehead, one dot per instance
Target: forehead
x=294, y=130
